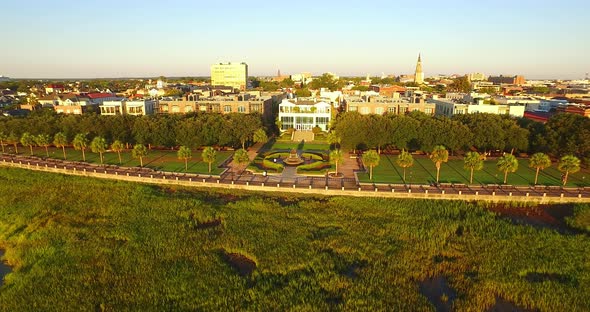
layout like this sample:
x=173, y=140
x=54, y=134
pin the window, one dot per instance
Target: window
x=188, y=109
x=353, y=109
x=364, y=110
x=227, y=108
x=255, y=107
x=241, y=109
x=164, y=107
x=379, y=110
x=175, y=109
x=392, y=109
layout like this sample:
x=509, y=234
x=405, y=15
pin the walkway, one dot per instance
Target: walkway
x=305, y=185
x=306, y=136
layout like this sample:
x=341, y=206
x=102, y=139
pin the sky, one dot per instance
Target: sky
x=143, y=38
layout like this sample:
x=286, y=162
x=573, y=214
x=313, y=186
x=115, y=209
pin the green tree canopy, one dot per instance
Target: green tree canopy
x=438, y=156
x=371, y=159
x=473, y=162
x=139, y=151
x=117, y=147
x=185, y=153
x=99, y=145
x=80, y=144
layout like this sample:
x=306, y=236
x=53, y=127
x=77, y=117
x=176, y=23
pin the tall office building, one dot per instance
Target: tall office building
x=230, y=74
x=419, y=75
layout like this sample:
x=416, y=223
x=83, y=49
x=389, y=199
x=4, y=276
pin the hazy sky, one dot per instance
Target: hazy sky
x=108, y=38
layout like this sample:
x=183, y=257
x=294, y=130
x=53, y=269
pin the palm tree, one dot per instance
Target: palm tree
x=334, y=139
x=60, y=140
x=405, y=160
x=3, y=138
x=568, y=164
x=371, y=159
x=260, y=136
x=439, y=155
x=209, y=155
x=27, y=140
x=507, y=163
x=539, y=161
x=43, y=140
x=13, y=139
x=186, y=154
x=139, y=151
x=241, y=157
x=99, y=145
x=80, y=144
x=473, y=161
x=336, y=158
x=118, y=147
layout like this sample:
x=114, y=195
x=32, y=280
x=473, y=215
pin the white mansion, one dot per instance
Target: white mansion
x=304, y=115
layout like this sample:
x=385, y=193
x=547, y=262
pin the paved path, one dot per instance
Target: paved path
x=308, y=185
x=306, y=136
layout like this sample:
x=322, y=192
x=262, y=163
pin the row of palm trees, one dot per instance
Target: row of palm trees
x=473, y=161
x=99, y=145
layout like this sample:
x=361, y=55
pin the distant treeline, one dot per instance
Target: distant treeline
x=192, y=130
x=563, y=134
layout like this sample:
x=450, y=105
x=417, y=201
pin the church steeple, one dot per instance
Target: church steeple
x=419, y=75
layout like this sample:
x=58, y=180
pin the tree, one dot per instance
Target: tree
x=507, y=163
x=405, y=160
x=209, y=155
x=3, y=140
x=568, y=164
x=336, y=158
x=13, y=139
x=473, y=161
x=260, y=136
x=118, y=147
x=80, y=144
x=241, y=157
x=371, y=159
x=539, y=161
x=99, y=145
x=27, y=140
x=439, y=155
x=461, y=84
x=334, y=139
x=185, y=154
x=139, y=151
x=43, y=140
x=60, y=141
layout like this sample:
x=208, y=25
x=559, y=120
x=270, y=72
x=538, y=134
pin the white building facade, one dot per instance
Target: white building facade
x=304, y=115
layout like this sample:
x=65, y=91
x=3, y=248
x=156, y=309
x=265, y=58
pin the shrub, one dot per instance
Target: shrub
x=268, y=164
x=314, y=166
x=312, y=156
x=316, y=130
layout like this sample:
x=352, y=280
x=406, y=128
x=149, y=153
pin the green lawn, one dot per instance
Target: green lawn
x=305, y=147
x=164, y=160
x=83, y=244
x=424, y=172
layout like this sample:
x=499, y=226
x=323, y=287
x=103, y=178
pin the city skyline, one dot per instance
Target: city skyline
x=67, y=39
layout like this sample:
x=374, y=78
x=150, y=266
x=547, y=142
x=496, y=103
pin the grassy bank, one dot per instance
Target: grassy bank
x=84, y=244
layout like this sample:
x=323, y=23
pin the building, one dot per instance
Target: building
x=241, y=103
x=100, y=97
x=516, y=80
x=54, y=88
x=135, y=108
x=230, y=74
x=449, y=108
x=476, y=77
x=304, y=115
x=381, y=105
x=388, y=90
x=419, y=75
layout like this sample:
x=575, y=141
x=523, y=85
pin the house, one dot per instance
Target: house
x=123, y=107
x=391, y=105
x=449, y=108
x=54, y=88
x=304, y=115
x=100, y=97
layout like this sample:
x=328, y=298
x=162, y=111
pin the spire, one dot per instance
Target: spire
x=419, y=75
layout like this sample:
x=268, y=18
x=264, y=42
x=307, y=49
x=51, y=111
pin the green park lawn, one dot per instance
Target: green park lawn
x=282, y=145
x=163, y=160
x=424, y=172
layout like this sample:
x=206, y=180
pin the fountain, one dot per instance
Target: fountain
x=293, y=159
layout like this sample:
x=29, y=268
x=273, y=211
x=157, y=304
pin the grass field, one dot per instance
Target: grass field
x=164, y=160
x=281, y=145
x=88, y=244
x=424, y=172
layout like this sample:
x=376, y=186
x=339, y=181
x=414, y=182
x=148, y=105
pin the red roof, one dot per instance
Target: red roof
x=55, y=86
x=98, y=95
